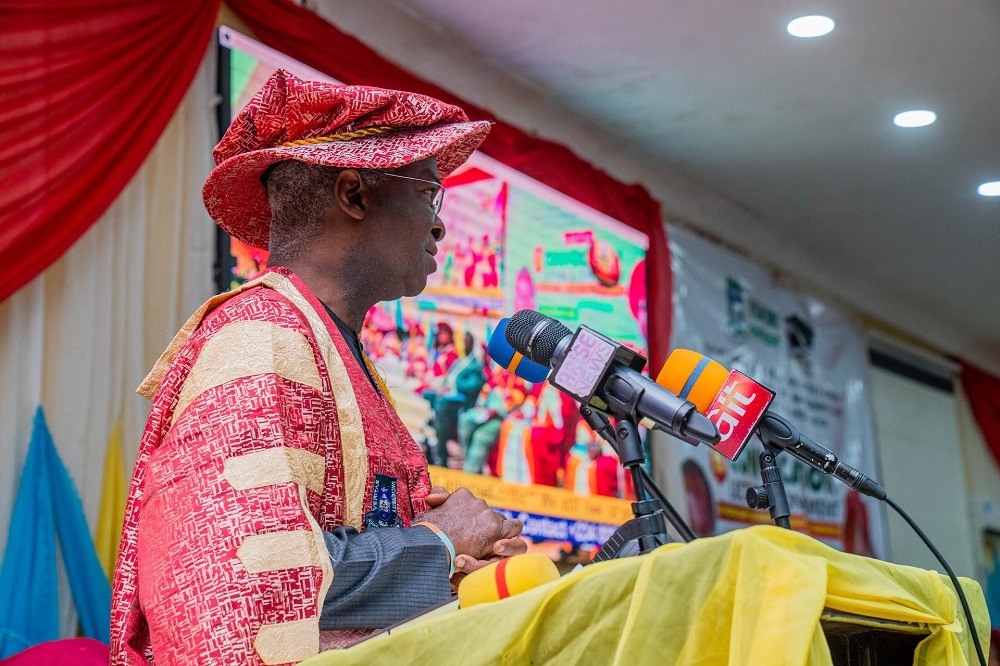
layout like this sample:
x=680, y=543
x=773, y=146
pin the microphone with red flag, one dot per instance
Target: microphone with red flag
x=738, y=408
x=734, y=402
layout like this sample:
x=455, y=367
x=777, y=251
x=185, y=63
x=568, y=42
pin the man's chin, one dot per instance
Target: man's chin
x=416, y=288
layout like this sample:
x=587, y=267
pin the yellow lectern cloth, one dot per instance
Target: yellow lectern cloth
x=753, y=596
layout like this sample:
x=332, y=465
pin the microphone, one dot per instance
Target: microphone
x=596, y=420
x=505, y=578
x=597, y=371
x=731, y=400
x=510, y=359
x=740, y=408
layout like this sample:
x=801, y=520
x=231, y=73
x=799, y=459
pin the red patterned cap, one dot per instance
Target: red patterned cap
x=322, y=123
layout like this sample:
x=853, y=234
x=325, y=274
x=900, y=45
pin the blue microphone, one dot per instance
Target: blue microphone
x=503, y=353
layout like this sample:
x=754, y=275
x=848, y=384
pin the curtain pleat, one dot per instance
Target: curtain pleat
x=982, y=391
x=87, y=89
x=80, y=337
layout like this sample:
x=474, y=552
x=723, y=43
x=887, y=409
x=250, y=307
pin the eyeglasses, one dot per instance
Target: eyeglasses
x=436, y=200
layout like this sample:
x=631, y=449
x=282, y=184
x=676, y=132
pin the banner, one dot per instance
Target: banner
x=814, y=357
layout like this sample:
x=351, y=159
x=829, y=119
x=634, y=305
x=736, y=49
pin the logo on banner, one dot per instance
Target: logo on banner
x=749, y=318
x=736, y=309
x=799, y=334
x=736, y=411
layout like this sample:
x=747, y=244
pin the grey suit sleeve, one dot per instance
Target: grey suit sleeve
x=383, y=576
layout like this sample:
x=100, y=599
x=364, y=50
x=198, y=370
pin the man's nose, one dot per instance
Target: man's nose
x=438, y=230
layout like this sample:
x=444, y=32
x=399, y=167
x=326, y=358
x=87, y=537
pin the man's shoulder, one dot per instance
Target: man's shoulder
x=258, y=303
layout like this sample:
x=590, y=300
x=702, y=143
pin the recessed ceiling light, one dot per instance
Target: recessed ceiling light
x=916, y=118
x=990, y=189
x=810, y=26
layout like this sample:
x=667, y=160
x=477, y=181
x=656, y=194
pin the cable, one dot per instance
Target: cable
x=951, y=574
x=675, y=518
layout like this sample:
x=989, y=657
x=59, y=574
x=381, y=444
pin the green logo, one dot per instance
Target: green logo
x=749, y=318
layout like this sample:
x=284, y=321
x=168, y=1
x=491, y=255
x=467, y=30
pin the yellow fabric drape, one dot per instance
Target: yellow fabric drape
x=112, y=509
x=753, y=596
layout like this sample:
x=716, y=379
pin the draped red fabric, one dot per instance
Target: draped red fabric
x=306, y=37
x=87, y=89
x=982, y=390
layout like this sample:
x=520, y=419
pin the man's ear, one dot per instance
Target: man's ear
x=351, y=194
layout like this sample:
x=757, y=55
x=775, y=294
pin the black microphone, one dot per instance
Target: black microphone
x=597, y=371
x=778, y=433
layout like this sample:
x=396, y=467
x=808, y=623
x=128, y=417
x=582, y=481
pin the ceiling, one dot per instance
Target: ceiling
x=787, y=144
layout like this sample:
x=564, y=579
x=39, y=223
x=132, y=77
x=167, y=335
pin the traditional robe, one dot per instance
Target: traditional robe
x=264, y=432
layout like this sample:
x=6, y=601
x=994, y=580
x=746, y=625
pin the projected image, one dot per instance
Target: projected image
x=513, y=244
x=510, y=245
x=247, y=75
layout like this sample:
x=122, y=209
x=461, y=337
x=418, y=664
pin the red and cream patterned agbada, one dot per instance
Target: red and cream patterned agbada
x=263, y=432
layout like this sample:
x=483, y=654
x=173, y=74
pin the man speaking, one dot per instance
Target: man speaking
x=278, y=504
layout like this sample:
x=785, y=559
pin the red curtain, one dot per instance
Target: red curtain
x=87, y=89
x=983, y=393
x=308, y=38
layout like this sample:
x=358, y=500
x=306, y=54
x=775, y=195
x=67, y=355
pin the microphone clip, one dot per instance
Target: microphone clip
x=579, y=366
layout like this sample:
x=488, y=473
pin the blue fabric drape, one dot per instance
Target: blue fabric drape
x=29, y=609
x=87, y=580
x=47, y=504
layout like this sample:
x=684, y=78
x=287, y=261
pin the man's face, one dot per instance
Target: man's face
x=405, y=229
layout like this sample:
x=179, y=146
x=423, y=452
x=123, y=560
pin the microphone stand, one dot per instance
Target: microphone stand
x=648, y=529
x=771, y=494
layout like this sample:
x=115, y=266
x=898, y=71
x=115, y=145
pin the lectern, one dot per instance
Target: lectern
x=758, y=596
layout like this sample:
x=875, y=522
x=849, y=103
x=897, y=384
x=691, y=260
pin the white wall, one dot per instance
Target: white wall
x=920, y=458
